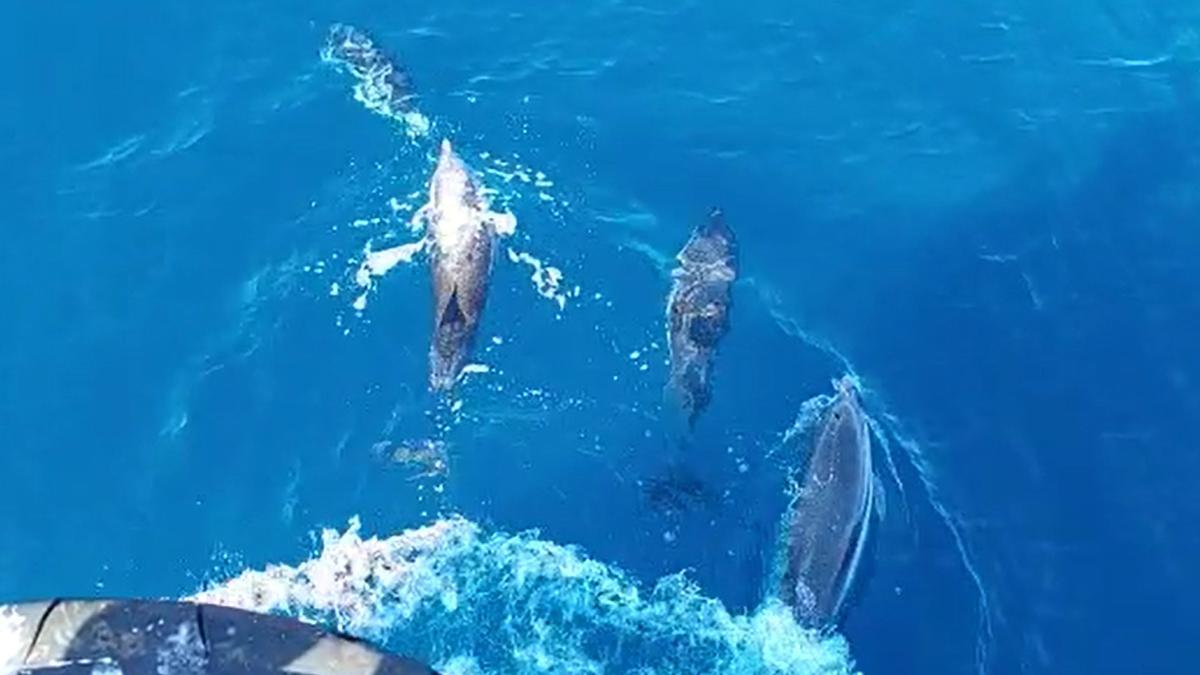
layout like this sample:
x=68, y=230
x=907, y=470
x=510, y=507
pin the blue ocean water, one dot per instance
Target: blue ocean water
x=984, y=212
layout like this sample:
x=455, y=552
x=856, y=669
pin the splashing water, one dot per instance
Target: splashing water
x=12, y=642
x=376, y=264
x=471, y=602
x=546, y=279
x=383, y=86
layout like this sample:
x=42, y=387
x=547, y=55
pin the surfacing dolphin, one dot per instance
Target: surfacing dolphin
x=384, y=85
x=698, y=312
x=461, y=236
x=829, y=518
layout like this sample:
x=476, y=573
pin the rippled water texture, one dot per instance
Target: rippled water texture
x=216, y=319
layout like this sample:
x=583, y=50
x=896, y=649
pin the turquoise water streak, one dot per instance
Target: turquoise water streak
x=211, y=349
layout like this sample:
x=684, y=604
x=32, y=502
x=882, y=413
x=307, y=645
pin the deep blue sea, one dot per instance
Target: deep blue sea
x=986, y=212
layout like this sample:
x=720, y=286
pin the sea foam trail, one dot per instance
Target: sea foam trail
x=472, y=602
x=383, y=86
x=985, y=637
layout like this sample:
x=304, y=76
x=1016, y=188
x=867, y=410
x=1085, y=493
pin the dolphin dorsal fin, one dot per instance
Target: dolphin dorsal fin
x=453, y=313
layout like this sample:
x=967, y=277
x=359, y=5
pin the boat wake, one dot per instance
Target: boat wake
x=472, y=602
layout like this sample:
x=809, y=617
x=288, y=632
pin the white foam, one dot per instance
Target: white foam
x=376, y=97
x=661, y=260
x=460, y=665
x=1120, y=62
x=378, y=92
x=376, y=264
x=637, y=218
x=187, y=135
x=509, y=176
x=516, y=173
x=418, y=124
x=450, y=594
x=505, y=224
x=182, y=652
x=379, y=263
x=546, y=279
x=12, y=645
x=916, y=455
x=119, y=152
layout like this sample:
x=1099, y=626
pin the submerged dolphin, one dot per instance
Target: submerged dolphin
x=461, y=233
x=698, y=311
x=829, y=518
x=384, y=85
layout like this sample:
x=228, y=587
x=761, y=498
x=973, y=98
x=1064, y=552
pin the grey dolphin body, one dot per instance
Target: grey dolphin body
x=461, y=237
x=828, y=522
x=698, y=311
x=386, y=86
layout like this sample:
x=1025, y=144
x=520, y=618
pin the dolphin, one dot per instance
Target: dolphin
x=698, y=312
x=461, y=236
x=384, y=86
x=829, y=518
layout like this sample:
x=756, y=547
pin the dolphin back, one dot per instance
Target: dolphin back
x=712, y=243
x=698, y=312
x=828, y=521
x=460, y=287
x=386, y=84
